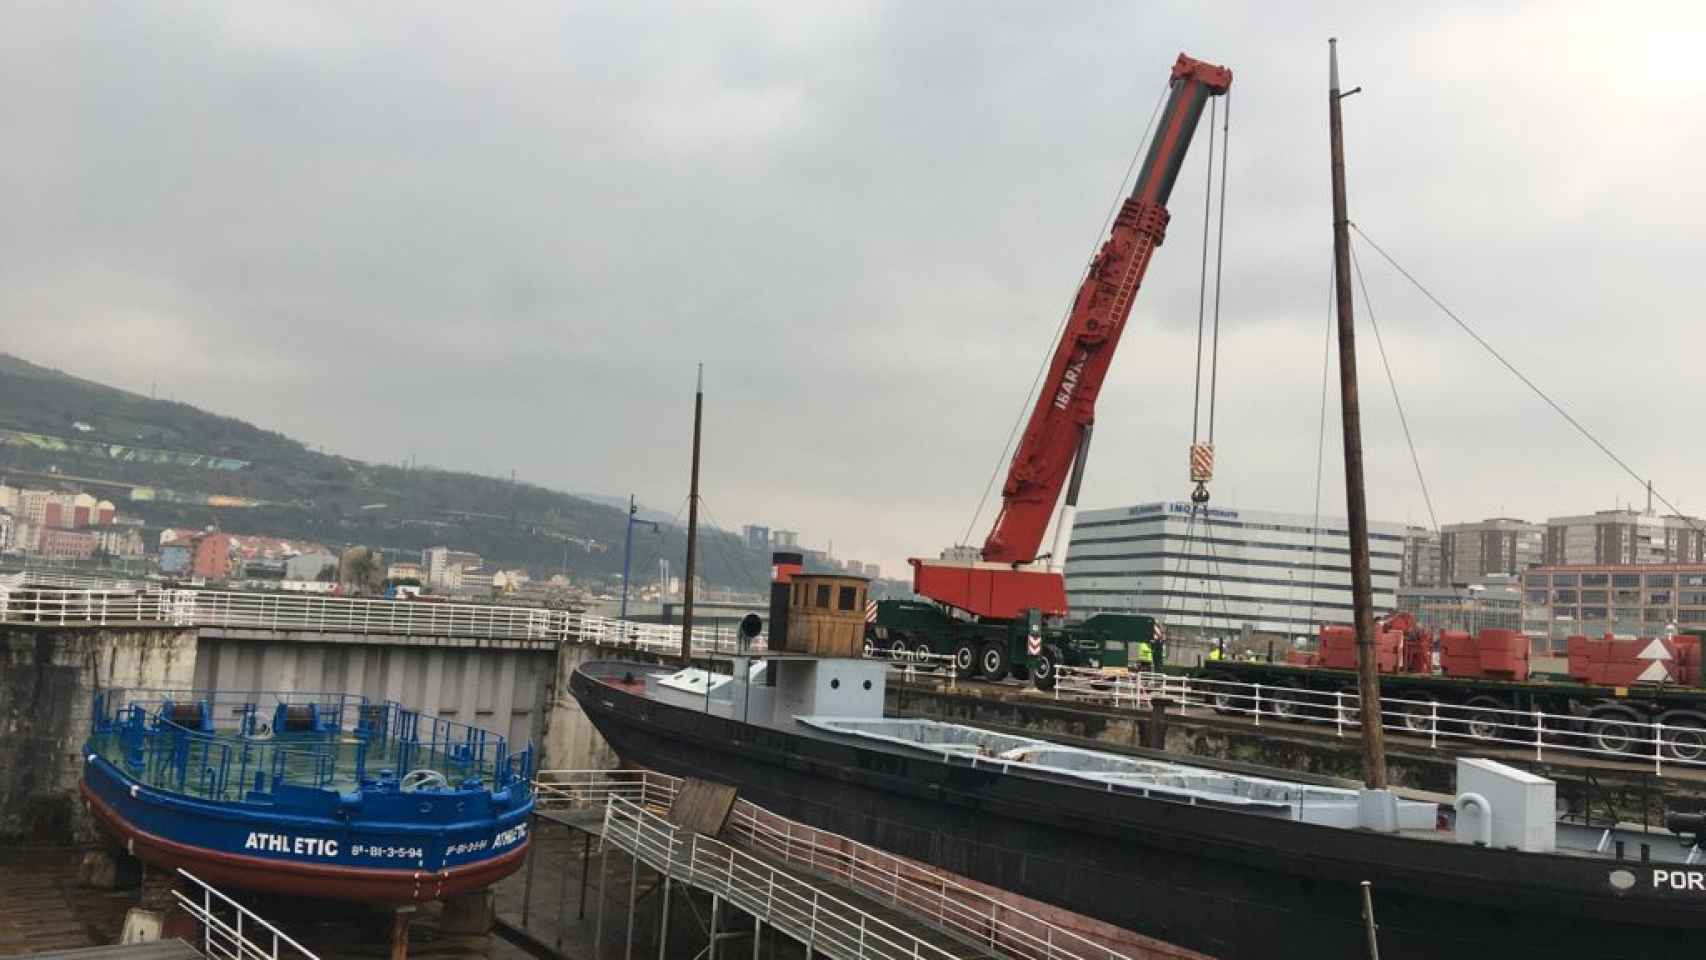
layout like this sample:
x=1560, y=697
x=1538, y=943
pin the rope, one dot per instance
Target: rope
x=1202, y=278
x=1320, y=452
x=1391, y=381
x=1048, y=351
x=1572, y=421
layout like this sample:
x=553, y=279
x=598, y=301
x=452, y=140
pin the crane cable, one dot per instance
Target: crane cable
x=1209, y=324
x=1066, y=315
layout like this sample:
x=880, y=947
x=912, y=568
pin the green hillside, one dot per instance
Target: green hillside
x=62, y=430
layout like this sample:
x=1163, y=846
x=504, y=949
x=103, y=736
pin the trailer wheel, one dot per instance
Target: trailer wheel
x=965, y=660
x=1282, y=705
x=993, y=661
x=870, y=648
x=898, y=650
x=1482, y=723
x=1685, y=739
x=1418, y=717
x=1042, y=667
x=1613, y=730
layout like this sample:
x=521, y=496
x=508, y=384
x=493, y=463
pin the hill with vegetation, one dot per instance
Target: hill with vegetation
x=176, y=465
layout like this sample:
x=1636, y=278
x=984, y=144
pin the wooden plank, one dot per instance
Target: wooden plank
x=702, y=806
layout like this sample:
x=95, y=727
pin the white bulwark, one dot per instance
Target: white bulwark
x=1274, y=572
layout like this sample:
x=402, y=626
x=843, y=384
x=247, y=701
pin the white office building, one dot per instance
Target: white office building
x=1228, y=570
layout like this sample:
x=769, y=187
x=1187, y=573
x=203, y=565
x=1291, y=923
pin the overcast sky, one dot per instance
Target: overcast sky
x=493, y=236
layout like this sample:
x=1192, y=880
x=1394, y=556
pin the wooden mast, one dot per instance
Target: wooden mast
x=693, y=523
x=1356, y=507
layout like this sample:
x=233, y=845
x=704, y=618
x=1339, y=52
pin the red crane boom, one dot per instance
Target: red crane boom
x=1007, y=579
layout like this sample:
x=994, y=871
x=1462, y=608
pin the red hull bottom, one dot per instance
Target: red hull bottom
x=301, y=879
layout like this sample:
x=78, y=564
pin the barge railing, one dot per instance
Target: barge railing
x=1619, y=736
x=220, y=745
x=231, y=931
x=915, y=888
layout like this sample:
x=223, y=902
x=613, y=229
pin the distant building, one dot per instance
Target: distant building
x=82, y=510
x=307, y=566
x=1228, y=571
x=404, y=570
x=1488, y=602
x=1630, y=598
x=212, y=556
x=784, y=539
x=116, y=541
x=67, y=544
x=9, y=499
x=1422, y=558
x=267, y=569
x=444, y=565
x=1624, y=536
x=756, y=537
x=1499, y=545
x=105, y=513
x=32, y=506
x=8, y=529
x=177, y=558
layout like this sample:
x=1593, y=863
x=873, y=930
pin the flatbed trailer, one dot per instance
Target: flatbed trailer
x=1621, y=714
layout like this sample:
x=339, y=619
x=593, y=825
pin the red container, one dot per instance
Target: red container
x=1339, y=649
x=1687, y=666
x=1504, y=654
x=1613, y=662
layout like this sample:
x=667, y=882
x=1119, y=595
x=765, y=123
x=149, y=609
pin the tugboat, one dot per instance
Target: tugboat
x=1235, y=862
x=1218, y=858
x=318, y=795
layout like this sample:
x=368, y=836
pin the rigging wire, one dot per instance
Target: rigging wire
x=1048, y=352
x=1391, y=381
x=1320, y=451
x=1556, y=407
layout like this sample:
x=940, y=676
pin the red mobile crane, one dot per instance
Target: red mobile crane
x=1009, y=577
x=1013, y=593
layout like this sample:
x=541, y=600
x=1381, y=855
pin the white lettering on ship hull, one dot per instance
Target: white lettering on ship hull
x=1679, y=880
x=507, y=837
x=285, y=843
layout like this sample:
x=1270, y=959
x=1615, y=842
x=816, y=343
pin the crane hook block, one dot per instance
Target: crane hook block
x=1202, y=462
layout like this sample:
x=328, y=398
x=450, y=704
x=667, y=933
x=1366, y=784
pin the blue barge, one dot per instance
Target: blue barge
x=330, y=796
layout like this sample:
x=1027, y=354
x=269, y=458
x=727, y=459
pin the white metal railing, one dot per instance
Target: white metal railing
x=72, y=581
x=315, y=613
x=230, y=931
x=824, y=923
x=592, y=788
x=1612, y=734
x=921, y=891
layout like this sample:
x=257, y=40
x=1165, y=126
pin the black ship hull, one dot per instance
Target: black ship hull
x=1230, y=884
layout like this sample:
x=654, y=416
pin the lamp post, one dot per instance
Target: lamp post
x=627, y=558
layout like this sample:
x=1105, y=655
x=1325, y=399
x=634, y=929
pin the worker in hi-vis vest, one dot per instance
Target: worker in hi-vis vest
x=1145, y=656
x=1214, y=652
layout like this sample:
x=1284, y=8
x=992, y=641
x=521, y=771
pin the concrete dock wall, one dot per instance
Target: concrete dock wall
x=47, y=681
x=499, y=689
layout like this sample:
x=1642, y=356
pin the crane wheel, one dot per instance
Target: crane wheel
x=965, y=660
x=993, y=662
x=1043, y=665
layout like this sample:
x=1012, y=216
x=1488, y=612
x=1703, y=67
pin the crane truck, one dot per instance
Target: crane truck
x=1001, y=610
